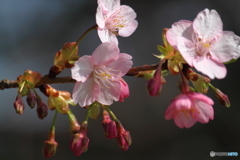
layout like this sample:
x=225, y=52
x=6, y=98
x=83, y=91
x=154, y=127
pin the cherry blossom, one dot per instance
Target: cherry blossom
x=203, y=43
x=186, y=109
x=99, y=76
x=114, y=19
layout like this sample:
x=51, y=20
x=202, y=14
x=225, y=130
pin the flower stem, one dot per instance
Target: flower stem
x=51, y=135
x=112, y=114
x=85, y=33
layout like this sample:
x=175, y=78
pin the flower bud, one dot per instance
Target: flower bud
x=123, y=138
x=42, y=109
x=124, y=90
x=223, y=98
x=49, y=148
x=156, y=83
x=109, y=126
x=31, y=99
x=18, y=104
x=80, y=141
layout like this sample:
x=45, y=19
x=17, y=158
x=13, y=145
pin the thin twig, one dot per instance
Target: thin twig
x=5, y=83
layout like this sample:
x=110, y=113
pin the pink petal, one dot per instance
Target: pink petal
x=202, y=97
x=105, y=53
x=82, y=68
x=183, y=102
x=109, y=93
x=107, y=36
x=121, y=66
x=210, y=68
x=187, y=49
x=169, y=113
x=182, y=121
x=129, y=29
x=208, y=25
x=85, y=93
x=109, y=6
x=180, y=28
x=226, y=48
x=100, y=19
x=205, y=112
x=127, y=15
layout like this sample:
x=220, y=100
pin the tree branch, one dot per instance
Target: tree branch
x=5, y=83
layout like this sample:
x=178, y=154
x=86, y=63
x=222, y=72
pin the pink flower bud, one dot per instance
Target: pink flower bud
x=109, y=126
x=124, y=90
x=123, y=138
x=156, y=83
x=18, y=104
x=49, y=148
x=80, y=141
x=223, y=98
x=31, y=99
x=42, y=109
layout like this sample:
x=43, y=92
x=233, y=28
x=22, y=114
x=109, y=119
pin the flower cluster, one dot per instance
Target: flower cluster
x=189, y=48
x=201, y=45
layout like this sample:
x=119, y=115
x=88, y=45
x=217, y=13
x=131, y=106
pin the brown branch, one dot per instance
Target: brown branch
x=5, y=83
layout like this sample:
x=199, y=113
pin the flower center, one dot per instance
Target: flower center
x=105, y=76
x=186, y=113
x=202, y=48
x=117, y=21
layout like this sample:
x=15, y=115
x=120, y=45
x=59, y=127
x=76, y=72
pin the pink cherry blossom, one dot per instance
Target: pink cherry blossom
x=186, y=109
x=114, y=19
x=99, y=76
x=203, y=43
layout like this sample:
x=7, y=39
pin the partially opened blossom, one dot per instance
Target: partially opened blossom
x=203, y=43
x=114, y=19
x=186, y=109
x=99, y=76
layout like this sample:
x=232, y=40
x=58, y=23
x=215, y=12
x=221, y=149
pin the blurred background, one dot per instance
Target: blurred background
x=32, y=31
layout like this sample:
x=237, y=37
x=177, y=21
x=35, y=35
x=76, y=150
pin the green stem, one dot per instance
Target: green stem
x=210, y=85
x=85, y=33
x=51, y=135
x=112, y=114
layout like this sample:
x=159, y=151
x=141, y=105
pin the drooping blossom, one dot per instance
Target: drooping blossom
x=186, y=109
x=114, y=19
x=98, y=76
x=203, y=43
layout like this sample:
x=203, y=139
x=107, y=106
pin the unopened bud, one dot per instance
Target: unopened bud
x=49, y=148
x=18, y=104
x=109, y=126
x=79, y=143
x=123, y=138
x=31, y=99
x=223, y=98
x=42, y=109
x=124, y=90
x=156, y=83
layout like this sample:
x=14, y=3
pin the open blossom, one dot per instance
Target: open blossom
x=114, y=19
x=99, y=76
x=186, y=109
x=203, y=43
